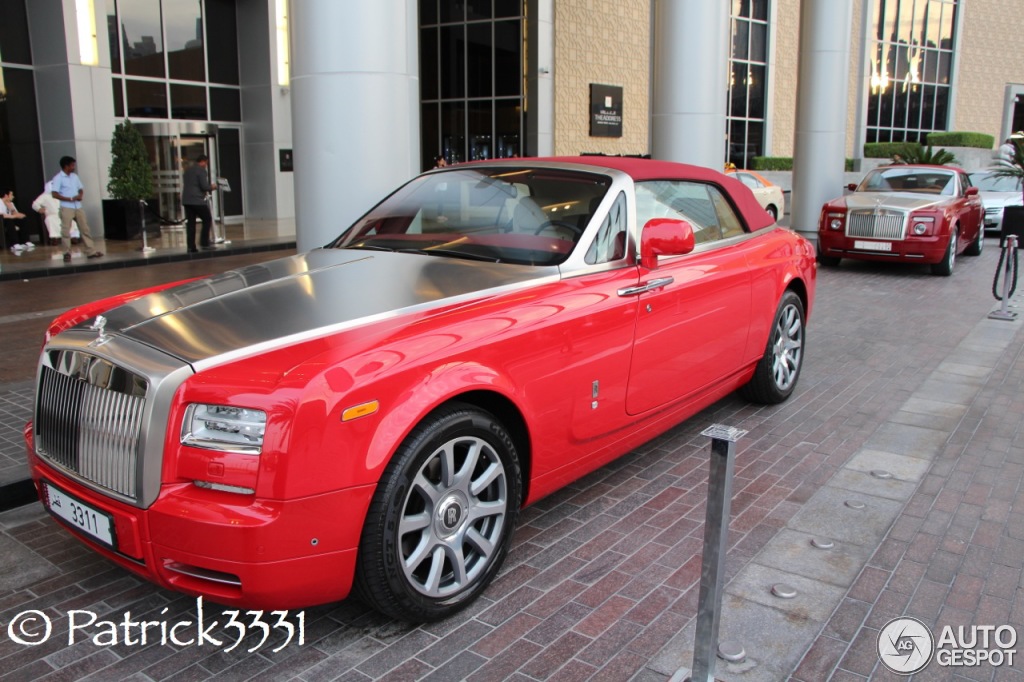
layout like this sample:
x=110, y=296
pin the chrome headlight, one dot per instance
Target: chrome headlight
x=224, y=428
x=920, y=226
x=835, y=220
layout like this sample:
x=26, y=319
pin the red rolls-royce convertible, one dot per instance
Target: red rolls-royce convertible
x=908, y=213
x=371, y=415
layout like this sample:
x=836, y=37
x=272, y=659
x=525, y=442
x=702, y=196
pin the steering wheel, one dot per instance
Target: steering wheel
x=565, y=224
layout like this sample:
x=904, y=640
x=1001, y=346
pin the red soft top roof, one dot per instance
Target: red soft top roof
x=652, y=169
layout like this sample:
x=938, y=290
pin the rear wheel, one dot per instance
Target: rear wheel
x=772, y=211
x=440, y=522
x=944, y=268
x=779, y=368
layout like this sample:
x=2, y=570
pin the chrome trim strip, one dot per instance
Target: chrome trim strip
x=204, y=574
x=646, y=286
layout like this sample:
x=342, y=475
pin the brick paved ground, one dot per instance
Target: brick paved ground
x=602, y=578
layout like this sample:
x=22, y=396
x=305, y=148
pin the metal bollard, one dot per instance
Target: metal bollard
x=1009, y=251
x=146, y=248
x=716, y=543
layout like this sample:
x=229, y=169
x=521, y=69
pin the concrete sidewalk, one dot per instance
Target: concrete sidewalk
x=903, y=375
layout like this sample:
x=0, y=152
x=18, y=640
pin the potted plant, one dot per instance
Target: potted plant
x=1013, y=216
x=131, y=181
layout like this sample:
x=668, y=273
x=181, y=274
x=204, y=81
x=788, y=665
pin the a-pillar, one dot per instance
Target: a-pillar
x=819, y=158
x=355, y=109
x=690, y=81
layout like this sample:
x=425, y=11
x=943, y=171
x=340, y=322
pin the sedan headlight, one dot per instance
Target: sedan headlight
x=921, y=226
x=224, y=428
x=835, y=220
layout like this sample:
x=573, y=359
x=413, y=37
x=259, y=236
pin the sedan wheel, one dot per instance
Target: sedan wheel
x=440, y=522
x=944, y=268
x=773, y=212
x=779, y=368
x=978, y=245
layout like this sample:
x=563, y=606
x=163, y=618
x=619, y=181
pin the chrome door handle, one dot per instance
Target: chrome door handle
x=646, y=286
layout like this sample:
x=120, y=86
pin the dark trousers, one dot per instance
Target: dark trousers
x=201, y=211
x=14, y=232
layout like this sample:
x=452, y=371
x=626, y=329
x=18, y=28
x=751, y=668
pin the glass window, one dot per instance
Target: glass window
x=20, y=156
x=146, y=99
x=14, y=45
x=225, y=104
x=479, y=51
x=610, y=242
x=222, y=51
x=910, y=72
x=183, y=26
x=728, y=221
x=747, y=80
x=471, y=80
x=118, y=98
x=188, y=101
x=142, y=36
x=687, y=201
x=113, y=38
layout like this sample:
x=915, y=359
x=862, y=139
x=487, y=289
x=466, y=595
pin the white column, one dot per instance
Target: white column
x=540, y=79
x=821, y=103
x=355, y=109
x=691, y=71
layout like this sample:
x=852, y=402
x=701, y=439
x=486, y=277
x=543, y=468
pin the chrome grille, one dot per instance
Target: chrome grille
x=88, y=420
x=876, y=225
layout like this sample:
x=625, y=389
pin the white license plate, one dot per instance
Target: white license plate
x=85, y=518
x=873, y=246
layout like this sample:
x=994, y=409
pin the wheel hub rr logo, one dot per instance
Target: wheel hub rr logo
x=905, y=645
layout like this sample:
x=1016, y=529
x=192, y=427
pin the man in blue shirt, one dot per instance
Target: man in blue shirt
x=68, y=190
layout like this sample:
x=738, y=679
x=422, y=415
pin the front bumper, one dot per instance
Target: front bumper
x=232, y=549
x=925, y=249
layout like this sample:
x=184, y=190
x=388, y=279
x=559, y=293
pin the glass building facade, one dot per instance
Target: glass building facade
x=748, y=72
x=471, y=80
x=911, y=58
x=21, y=167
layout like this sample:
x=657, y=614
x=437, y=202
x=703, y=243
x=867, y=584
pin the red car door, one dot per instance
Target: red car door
x=691, y=332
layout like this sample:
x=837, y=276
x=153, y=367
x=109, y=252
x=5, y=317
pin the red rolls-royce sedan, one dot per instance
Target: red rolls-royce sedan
x=907, y=213
x=372, y=415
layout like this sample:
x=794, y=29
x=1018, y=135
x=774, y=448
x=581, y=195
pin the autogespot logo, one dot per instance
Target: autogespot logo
x=905, y=645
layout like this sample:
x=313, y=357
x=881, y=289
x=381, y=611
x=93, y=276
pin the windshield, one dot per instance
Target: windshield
x=917, y=180
x=992, y=183
x=529, y=216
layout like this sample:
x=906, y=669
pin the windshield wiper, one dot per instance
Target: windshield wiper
x=368, y=247
x=452, y=252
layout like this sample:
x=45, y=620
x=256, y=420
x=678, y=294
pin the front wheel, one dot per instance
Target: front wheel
x=779, y=368
x=439, y=525
x=944, y=268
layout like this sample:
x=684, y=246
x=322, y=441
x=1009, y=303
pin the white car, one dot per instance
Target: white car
x=768, y=194
x=997, y=193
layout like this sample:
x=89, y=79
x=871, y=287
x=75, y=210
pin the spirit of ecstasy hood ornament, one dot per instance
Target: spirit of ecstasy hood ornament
x=99, y=325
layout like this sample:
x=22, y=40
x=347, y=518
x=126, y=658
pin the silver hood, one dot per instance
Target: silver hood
x=894, y=201
x=301, y=297
x=1000, y=199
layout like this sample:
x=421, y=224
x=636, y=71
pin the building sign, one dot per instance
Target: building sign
x=605, y=110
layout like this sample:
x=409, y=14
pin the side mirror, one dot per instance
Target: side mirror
x=852, y=187
x=664, y=237
x=971, y=192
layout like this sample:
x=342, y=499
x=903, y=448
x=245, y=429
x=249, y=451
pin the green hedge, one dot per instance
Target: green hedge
x=883, y=150
x=962, y=139
x=781, y=163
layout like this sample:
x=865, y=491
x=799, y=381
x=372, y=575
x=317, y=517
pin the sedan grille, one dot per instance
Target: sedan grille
x=875, y=224
x=88, y=420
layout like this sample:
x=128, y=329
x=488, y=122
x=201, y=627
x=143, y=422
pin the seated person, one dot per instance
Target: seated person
x=15, y=231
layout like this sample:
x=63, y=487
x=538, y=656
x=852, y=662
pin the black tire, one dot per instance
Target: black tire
x=944, y=268
x=978, y=245
x=779, y=368
x=440, y=522
x=772, y=211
